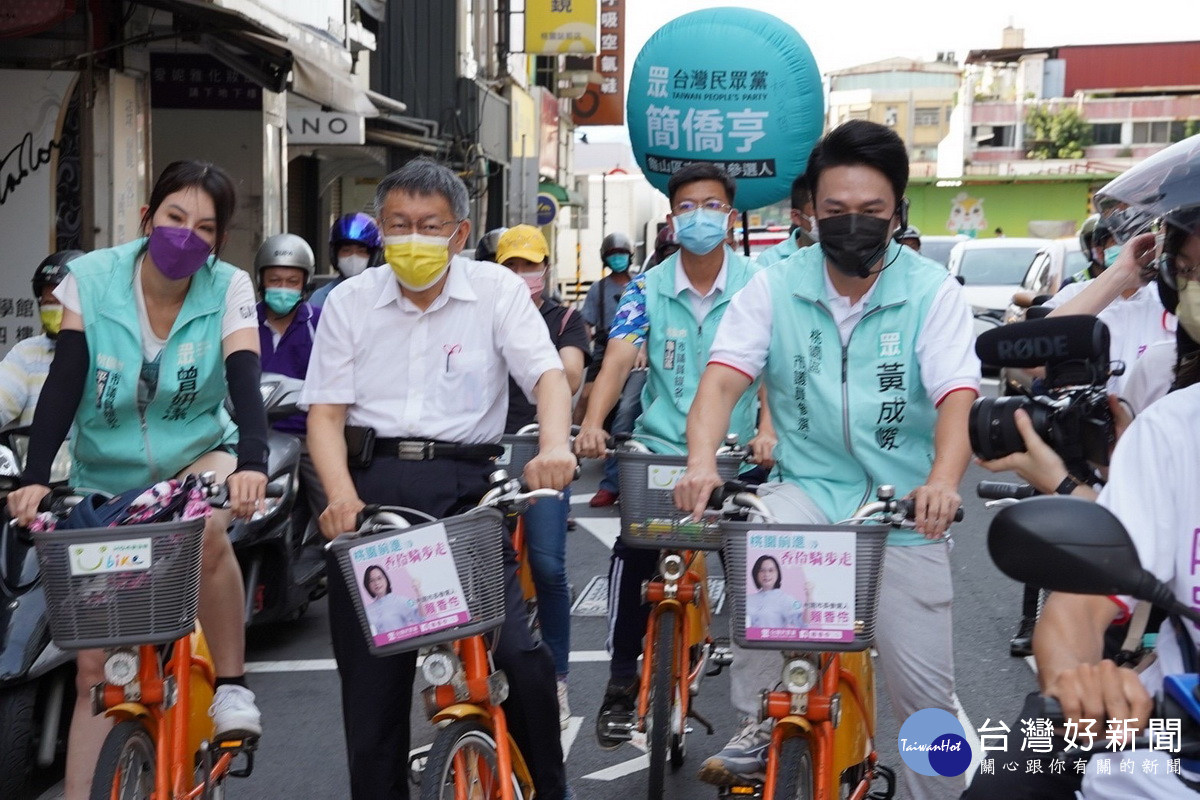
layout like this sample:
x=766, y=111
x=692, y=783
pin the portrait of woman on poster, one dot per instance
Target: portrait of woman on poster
x=387, y=611
x=770, y=606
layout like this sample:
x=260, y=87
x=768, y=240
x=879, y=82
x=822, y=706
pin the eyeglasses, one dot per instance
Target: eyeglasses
x=426, y=227
x=686, y=206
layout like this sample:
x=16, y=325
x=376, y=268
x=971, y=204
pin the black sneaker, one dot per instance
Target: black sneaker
x=617, y=711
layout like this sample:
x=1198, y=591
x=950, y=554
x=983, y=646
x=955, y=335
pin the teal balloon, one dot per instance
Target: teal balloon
x=731, y=86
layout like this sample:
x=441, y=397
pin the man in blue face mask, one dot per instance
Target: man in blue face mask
x=673, y=311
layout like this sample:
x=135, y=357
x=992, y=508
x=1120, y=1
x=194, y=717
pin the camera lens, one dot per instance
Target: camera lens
x=992, y=428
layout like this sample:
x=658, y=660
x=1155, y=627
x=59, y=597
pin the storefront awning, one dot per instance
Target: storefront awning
x=319, y=67
x=559, y=193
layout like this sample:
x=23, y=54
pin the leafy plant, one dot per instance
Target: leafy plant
x=1064, y=134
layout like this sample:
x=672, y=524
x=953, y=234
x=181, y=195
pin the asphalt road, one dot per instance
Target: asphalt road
x=302, y=754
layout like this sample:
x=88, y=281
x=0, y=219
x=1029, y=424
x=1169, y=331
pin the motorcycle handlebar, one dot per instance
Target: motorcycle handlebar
x=1004, y=490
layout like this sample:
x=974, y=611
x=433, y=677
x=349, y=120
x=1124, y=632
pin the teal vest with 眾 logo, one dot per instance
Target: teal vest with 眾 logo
x=115, y=447
x=851, y=418
x=677, y=352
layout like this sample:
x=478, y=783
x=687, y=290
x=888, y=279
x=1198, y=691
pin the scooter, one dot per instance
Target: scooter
x=283, y=566
x=37, y=679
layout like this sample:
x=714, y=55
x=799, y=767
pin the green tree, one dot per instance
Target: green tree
x=1056, y=135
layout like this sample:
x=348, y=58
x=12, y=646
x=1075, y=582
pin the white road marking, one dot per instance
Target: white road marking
x=972, y=740
x=603, y=528
x=568, y=735
x=329, y=665
x=299, y=665
x=581, y=499
x=620, y=770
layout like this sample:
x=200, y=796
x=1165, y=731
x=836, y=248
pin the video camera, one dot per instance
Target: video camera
x=1073, y=416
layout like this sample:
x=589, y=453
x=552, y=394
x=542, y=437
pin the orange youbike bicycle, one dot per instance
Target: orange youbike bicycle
x=133, y=590
x=677, y=648
x=461, y=598
x=823, y=738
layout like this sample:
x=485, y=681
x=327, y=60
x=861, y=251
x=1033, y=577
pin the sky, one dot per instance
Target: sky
x=843, y=34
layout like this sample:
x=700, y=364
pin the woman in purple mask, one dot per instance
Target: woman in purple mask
x=155, y=335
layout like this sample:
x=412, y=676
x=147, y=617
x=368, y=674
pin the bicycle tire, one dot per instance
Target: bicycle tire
x=440, y=780
x=126, y=764
x=795, y=776
x=662, y=693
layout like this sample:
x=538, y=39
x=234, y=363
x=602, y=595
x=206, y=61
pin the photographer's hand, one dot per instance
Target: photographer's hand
x=1039, y=465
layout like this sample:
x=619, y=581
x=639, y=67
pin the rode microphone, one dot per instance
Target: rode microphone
x=1073, y=348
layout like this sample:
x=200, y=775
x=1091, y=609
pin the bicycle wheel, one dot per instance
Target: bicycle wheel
x=662, y=696
x=125, y=767
x=462, y=765
x=795, y=777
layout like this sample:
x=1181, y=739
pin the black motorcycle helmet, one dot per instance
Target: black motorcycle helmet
x=488, y=243
x=616, y=242
x=52, y=270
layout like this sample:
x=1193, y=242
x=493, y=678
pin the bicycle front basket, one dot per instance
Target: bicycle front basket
x=820, y=593
x=440, y=581
x=649, y=518
x=120, y=586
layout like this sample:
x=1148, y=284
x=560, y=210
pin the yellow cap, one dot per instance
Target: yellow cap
x=522, y=241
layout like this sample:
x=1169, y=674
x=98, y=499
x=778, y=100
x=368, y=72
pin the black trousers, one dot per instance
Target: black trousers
x=377, y=692
x=627, y=613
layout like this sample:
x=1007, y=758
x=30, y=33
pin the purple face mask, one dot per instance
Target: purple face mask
x=177, y=252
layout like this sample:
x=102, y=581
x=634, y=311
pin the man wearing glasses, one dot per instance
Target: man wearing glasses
x=419, y=352
x=675, y=310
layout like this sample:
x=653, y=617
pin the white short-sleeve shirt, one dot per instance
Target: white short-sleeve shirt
x=945, y=344
x=1134, y=323
x=1152, y=490
x=437, y=374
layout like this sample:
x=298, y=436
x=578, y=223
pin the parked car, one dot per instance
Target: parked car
x=991, y=270
x=938, y=248
x=1053, y=264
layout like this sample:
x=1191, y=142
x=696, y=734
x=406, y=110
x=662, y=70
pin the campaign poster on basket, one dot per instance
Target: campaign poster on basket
x=800, y=586
x=408, y=584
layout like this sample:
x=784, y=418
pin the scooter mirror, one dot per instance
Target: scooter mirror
x=1070, y=545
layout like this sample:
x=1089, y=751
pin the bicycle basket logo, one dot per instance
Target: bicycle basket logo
x=932, y=742
x=661, y=476
x=129, y=555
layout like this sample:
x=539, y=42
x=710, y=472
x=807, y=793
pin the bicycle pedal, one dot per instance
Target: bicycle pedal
x=740, y=792
x=244, y=744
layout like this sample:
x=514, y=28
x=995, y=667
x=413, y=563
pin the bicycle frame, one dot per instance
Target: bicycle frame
x=164, y=698
x=839, y=736
x=687, y=598
x=481, y=703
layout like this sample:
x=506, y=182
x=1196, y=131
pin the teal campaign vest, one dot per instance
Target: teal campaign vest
x=115, y=447
x=677, y=352
x=850, y=418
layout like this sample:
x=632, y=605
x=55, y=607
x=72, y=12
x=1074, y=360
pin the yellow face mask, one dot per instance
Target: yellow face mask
x=1188, y=310
x=52, y=315
x=419, y=261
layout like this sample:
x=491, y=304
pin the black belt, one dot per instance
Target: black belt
x=422, y=450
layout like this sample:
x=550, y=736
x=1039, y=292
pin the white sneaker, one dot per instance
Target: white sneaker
x=234, y=713
x=564, y=707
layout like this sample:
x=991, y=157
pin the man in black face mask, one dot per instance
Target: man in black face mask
x=865, y=349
